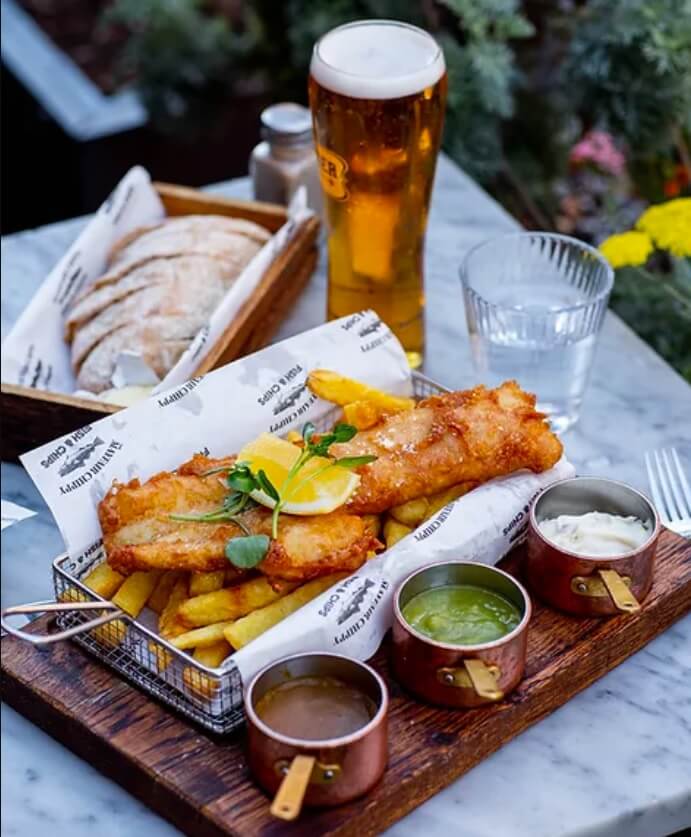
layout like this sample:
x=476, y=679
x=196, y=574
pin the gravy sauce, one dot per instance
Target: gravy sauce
x=315, y=708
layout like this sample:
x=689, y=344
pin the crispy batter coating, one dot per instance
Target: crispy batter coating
x=470, y=436
x=139, y=534
x=473, y=435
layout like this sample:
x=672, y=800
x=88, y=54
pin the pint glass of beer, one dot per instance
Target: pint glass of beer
x=377, y=91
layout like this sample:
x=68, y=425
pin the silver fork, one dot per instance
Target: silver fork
x=670, y=488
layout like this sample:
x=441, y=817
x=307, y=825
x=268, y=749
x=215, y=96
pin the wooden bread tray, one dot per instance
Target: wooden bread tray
x=32, y=417
x=201, y=784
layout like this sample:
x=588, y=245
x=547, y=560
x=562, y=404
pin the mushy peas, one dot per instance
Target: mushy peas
x=461, y=614
x=315, y=708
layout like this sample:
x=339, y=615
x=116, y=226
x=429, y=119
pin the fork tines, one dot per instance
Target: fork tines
x=670, y=489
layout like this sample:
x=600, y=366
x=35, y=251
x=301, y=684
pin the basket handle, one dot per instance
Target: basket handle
x=57, y=607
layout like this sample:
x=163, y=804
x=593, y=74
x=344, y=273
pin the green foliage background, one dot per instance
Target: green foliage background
x=659, y=310
x=526, y=80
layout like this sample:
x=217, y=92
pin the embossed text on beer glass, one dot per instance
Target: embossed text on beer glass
x=377, y=92
x=535, y=303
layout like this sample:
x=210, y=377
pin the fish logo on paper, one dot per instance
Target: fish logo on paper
x=88, y=459
x=290, y=398
x=371, y=328
x=355, y=603
x=361, y=607
x=79, y=458
x=89, y=470
x=366, y=324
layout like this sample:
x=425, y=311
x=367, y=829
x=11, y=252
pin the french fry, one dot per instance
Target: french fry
x=111, y=634
x=293, y=436
x=411, y=513
x=159, y=598
x=201, y=637
x=362, y=414
x=104, y=580
x=341, y=390
x=202, y=684
x=282, y=587
x=213, y=655
x=206, y=582
x=394, y=531
x=71, y=594
x=163, y=657
x=135, y=590
x=229, y=603
x=443, y=498
x=131, y=597
x=249, y=627
x=168, y=624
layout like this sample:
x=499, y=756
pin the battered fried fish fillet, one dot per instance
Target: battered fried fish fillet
x=139, y=534
x=472, y=435
x=469, y=436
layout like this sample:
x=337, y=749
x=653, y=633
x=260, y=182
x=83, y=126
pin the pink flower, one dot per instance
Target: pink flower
x=598, y=148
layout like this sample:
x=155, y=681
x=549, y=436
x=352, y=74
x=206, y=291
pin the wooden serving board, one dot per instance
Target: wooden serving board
x=201, y=783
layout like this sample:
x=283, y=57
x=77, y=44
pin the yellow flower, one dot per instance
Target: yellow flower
x=627, y=249
x=669, y=225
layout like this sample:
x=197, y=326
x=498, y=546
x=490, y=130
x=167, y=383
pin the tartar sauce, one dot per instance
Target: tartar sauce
x=596, y=533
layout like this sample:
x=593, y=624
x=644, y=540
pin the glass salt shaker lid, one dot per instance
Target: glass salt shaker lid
x=287, y=123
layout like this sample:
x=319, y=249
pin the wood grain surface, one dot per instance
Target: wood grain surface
x=32, y=417
x=201, y=784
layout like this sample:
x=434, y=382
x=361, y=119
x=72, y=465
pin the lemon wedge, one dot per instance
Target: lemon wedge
x=313, y=490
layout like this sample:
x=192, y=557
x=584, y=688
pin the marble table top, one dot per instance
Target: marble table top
x=613, y=762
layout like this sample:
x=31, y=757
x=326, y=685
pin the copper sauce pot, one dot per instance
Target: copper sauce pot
x=317, y=772
x=454, y=675
x=590, y=585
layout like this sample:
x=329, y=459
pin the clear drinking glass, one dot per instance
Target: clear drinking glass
x=535, y=303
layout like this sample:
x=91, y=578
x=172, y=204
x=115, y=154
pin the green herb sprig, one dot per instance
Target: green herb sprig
x=236, y=503
x=248, y=550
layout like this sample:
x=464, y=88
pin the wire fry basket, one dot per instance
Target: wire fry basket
x=212, y=697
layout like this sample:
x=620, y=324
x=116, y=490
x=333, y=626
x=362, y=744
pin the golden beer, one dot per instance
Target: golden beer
x=377, y=92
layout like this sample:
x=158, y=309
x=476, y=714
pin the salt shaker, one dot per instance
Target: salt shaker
x=285, y=159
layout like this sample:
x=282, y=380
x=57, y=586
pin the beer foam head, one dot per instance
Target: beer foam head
x=377, y=59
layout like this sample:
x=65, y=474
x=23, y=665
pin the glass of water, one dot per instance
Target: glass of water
x=535, y=303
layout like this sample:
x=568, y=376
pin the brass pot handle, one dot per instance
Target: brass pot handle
x=473, y=674
x=297, y=775
x=112, y=612
x=619, y=592
x=288, y=800
x=484, y=679
x=607, y=583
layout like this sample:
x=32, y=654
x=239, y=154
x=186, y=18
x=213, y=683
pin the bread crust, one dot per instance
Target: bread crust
x=162, y=284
